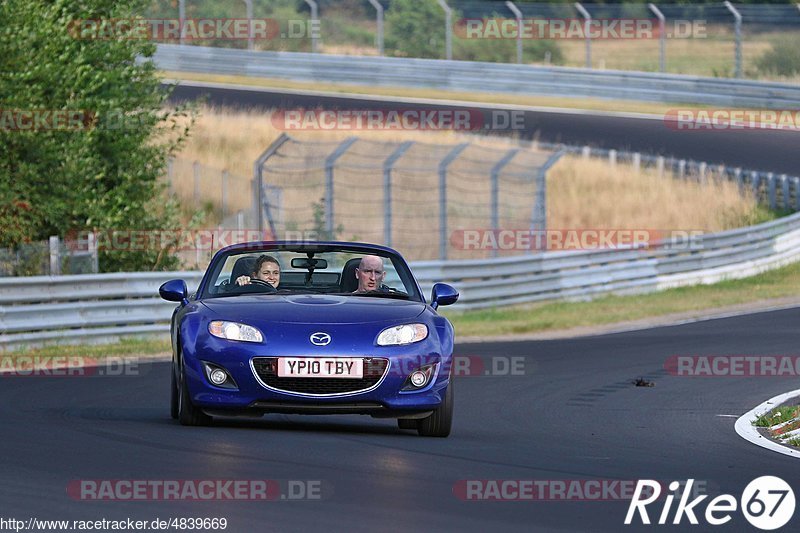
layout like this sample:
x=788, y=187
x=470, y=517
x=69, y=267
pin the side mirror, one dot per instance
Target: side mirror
x=174, y=291
x=443, y=294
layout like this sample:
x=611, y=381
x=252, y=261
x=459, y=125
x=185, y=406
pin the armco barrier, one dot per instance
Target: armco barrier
x=94, y=308
x=479, y=77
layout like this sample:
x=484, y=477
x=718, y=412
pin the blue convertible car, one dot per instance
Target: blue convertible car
x=317, y=328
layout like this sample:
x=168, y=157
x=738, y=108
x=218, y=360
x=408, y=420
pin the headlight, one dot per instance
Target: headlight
x=405, y=334
x=233, y=331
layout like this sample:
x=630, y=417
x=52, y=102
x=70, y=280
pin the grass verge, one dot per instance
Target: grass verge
x=777, y=416
x=125, y=347
x=548, y=316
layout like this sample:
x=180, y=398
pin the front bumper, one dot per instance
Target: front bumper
x=254, y=397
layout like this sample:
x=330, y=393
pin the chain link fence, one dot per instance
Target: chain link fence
x=52, y=257
x=718, y=39
x=412, y=196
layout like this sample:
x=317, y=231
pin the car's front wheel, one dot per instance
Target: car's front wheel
x=439, y=423
x=188, y=413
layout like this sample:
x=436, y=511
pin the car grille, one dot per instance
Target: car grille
x=266, y=368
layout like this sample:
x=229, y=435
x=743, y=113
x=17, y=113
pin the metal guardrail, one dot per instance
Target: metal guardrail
x=478, y=76
x=96, y=308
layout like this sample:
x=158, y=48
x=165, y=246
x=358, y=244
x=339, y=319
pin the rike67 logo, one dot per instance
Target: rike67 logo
x=767, y=503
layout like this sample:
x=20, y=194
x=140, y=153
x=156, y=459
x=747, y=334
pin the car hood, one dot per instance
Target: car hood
x=313, y=309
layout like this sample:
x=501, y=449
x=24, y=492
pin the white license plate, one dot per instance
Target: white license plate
x=320, y=367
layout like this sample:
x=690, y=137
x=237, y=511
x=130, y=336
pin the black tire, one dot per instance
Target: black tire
x=188, y=414
x=407, y=423
x=173, y=397
x=440, y=422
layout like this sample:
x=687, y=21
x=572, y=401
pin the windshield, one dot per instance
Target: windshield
x=279, y=271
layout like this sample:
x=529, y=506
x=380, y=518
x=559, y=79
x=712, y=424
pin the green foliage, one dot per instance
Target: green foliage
x=782, y=60
x=100, y=173
x=415, y=28
x=319, y=225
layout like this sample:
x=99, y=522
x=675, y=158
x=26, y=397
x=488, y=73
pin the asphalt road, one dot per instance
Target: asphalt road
x=767, y=150
x=572, y=413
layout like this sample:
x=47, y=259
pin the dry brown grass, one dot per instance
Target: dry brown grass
x=582, y=193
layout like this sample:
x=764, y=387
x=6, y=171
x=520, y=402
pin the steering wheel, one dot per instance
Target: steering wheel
x=257, y=285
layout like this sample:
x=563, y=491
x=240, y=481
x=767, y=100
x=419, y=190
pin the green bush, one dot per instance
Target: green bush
x=99, y=174
x=782, y=60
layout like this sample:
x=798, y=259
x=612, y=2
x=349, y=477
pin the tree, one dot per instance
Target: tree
x=98, y=168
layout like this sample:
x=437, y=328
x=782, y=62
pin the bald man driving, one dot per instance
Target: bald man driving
x=369, y=273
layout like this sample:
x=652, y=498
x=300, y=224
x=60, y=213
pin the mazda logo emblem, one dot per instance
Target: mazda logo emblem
x=320, y=339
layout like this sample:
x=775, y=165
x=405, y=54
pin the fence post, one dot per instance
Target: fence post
x=701, y=172
x=662, y=37
x=387, y=189
x=315, y=24
x=539, y=213
x=258, y=183
x=660, y=166
x=55, y=255
x=785, y=192
x=612, y=157
x=181, y=19
x=249, y=6
x=330, y=162
x=443, y=164
x=682, y=168
x=448, y=28
x=495, y=179
x=586, y=152
x=773, y=201
x=91, y=239
x=737, y=27
x=379, y=20
x=755, y=182
x=518, y=15
x=587, y=27
x=637, y=162
x=737, y=173
x=796, y=182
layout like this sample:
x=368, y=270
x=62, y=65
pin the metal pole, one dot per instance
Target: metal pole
x=662, y=37
x=443, y=197
x=495, y=177
x=379, y=19
x=250, y=41
x=55, y=256
x=330, y=161
x=181, y=18
x=738, y=31
x=387, y=189
x=315, y=19
x=518, y=14
x=448, y=28
x=258, y=183
x=587, y=25
x=539, y=214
